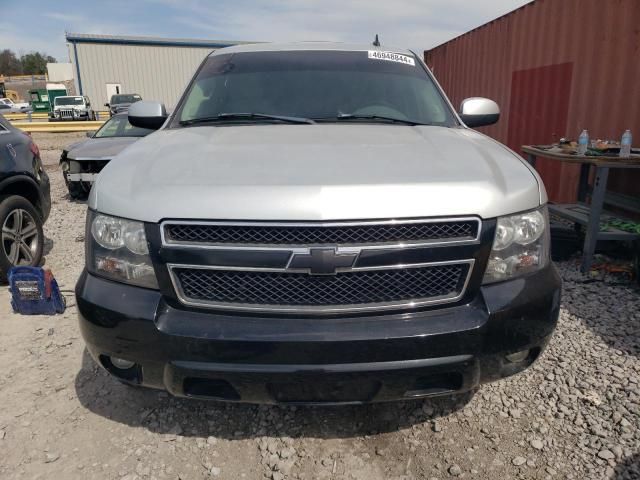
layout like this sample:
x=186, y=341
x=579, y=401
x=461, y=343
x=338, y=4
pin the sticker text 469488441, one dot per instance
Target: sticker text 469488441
x=392, y=57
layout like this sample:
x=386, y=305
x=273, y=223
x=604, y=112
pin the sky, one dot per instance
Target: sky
x=40, y=25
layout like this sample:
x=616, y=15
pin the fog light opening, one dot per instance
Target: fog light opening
x=518, y=357
x=122, y=364
x=126, y=370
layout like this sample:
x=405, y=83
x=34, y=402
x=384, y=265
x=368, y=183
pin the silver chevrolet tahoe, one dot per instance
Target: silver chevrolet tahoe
x=315, y=223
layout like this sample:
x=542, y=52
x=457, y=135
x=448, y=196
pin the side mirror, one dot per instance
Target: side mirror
x=151, y=115
x=106, y=105
x=479, y=112
x=91, y=133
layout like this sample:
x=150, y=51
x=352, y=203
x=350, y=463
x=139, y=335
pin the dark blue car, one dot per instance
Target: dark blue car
x=25, y=199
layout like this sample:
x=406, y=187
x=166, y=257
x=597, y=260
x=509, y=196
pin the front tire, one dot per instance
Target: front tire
x=21, y=234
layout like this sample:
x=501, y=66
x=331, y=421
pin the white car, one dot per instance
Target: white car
x=73, y=107
x=9, y=106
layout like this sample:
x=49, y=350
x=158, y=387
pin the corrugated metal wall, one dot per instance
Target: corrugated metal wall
x=155, y=72
x=598, y=39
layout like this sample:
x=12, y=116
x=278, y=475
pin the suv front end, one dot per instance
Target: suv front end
x=70, y=108
x=206, y=312
x=285, y=260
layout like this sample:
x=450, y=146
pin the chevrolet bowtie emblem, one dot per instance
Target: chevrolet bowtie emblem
x=322, y=261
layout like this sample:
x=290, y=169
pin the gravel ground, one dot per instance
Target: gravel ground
x=575, y=414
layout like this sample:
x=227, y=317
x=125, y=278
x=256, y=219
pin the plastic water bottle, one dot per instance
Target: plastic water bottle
x=583, y=142
x=625, y=144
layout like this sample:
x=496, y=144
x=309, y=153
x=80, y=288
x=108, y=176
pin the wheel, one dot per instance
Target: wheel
x=77, y=190
x=21, y=237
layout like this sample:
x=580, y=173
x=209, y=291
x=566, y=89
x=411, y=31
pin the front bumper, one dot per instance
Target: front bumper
x=328, y=360
x=81, y=177
x=79, y=116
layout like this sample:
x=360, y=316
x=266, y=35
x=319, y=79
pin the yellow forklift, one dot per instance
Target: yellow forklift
x=4, y=93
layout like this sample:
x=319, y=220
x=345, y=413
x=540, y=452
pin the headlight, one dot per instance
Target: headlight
x=520, y=246
x=117, y=249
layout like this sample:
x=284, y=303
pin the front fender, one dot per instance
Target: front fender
x=20, y=177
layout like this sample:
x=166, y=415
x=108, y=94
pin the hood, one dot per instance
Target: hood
x=99, y=148
x=315, y=172
x=73, y=145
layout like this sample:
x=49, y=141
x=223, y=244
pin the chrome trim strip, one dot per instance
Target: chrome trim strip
x=88, y=177
x=89, y=159
x=365, y=246
x=325, y=309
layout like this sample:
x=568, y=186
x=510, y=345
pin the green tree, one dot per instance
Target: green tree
x=35, y=63
x=9, y=63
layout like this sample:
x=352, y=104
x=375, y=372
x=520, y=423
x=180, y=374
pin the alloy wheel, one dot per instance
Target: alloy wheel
x=20, y=237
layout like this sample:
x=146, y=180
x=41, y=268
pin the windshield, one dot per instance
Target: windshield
x=318, y=85
x=119, y=126
x=115, y=99
x=68, y=101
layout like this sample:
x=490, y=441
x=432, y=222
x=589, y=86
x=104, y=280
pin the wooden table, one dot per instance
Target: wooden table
x=580, y=213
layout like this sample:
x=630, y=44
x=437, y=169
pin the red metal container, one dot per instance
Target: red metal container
x=555, y=67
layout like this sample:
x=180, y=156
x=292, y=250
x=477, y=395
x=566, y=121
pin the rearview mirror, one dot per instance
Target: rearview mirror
x=479, y=112
x=91, y=133
x=150, y=115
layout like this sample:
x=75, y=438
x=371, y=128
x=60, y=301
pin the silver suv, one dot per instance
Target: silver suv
x=314, y=223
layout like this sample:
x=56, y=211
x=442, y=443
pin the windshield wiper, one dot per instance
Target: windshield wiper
x=380, y=118
x=245, y=116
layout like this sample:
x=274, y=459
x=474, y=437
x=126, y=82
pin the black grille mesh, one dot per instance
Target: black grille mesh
x=318, y=235
x=301, y=289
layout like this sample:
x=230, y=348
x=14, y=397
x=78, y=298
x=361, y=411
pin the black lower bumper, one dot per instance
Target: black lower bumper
x=208, y=354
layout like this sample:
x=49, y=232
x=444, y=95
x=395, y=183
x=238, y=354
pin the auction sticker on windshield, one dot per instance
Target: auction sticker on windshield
x=392, y=57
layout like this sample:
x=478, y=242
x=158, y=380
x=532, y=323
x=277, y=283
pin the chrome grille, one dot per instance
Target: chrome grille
x=66, y=113
x=295, y=234
x=295, y=291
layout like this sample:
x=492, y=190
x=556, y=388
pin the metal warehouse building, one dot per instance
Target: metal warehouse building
x=555, y=67
x=156, y=68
